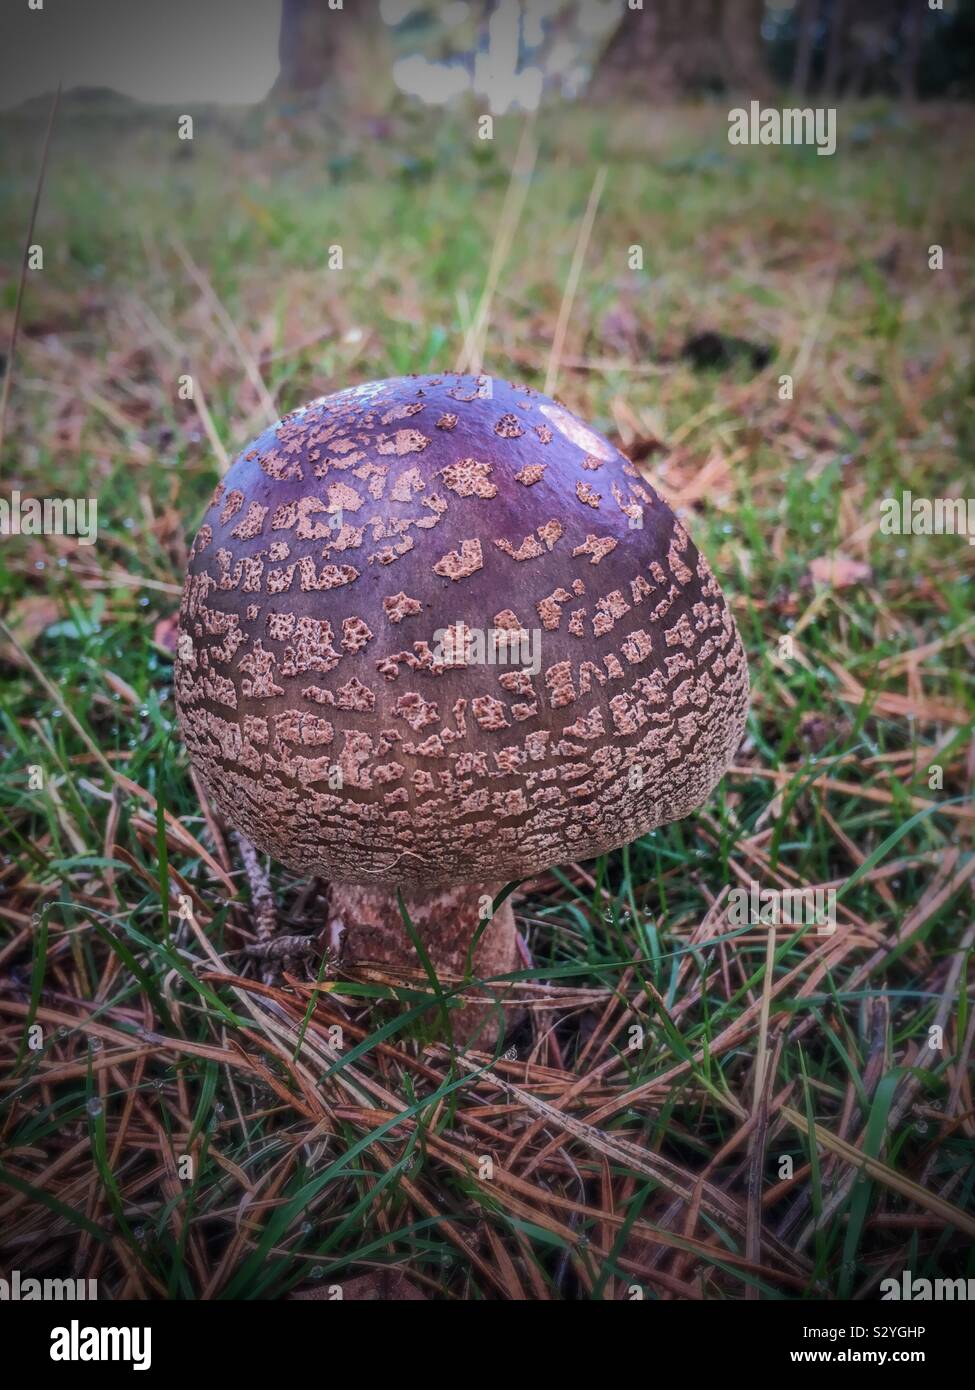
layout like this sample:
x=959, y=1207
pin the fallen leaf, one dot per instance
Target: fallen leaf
x=839, y=570
x=27, y=620
x=621, y=331
x=166, y=632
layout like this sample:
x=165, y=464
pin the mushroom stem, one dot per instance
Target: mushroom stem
x=365, y=925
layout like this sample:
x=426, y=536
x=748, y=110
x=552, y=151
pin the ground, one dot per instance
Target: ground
x=695, y=1109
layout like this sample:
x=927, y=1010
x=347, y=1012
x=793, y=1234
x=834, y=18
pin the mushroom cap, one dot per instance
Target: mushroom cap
x=337, y=682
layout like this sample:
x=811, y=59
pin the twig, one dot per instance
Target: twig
x=472, y=353
x=23, y=268
x=575, y=270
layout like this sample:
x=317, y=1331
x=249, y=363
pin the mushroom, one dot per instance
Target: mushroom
x=437, y=634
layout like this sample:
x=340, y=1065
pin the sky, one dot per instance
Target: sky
x=166, y=51
x=226, y=51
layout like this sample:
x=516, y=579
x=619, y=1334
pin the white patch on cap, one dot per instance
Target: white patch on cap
x=577, y=432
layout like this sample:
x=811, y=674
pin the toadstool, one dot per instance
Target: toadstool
x=438, y=634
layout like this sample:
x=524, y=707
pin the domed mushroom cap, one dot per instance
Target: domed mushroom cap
x=437, y=630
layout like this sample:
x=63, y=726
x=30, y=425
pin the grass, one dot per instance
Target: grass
x=701, y=1110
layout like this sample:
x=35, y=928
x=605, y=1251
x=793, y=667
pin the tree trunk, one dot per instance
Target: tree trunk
x=808, y=16
x=835, y=47
x=741, y=46
x=912, y=52
x=677, y=48
x=340, y=56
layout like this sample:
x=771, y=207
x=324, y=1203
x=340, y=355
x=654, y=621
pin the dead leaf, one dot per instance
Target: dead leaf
x=27, y=620
x=166, y=632
x=838, y=570
x=620, y=331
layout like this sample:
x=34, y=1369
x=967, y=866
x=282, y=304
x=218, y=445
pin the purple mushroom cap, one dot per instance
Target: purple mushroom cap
x=437, y=630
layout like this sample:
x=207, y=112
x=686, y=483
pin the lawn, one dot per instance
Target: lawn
x=693, y=1109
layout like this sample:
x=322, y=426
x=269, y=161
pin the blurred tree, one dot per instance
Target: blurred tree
x=836, y=46
x=902, y=47
x=807, y=20
x=874, y=45
x=676, y=48
x=912, y=52
x=947, y=64
x=336, y=55
x=874, y=36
